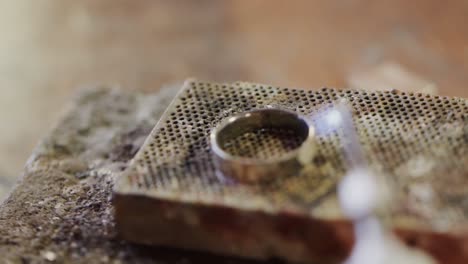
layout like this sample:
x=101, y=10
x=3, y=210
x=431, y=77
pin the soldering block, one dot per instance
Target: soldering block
x=172, y=195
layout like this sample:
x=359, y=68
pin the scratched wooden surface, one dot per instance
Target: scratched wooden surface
x=50, y=48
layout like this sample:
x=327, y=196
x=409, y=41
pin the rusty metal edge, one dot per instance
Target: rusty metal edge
x=230, y=231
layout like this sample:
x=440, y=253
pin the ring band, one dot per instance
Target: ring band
x=254, y=169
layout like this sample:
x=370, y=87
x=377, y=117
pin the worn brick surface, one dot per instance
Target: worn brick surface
x=61, y=209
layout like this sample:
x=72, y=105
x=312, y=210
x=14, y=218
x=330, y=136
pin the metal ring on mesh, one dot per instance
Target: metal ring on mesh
x=260, y=144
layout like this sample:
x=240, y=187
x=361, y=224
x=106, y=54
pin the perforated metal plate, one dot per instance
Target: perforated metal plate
x=263, y=144
x=172, y=195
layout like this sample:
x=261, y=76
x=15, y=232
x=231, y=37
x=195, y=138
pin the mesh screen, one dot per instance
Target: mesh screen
x=265, y=143
x=419, y=142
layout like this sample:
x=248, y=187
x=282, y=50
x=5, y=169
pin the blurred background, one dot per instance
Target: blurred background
x=50, y=48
